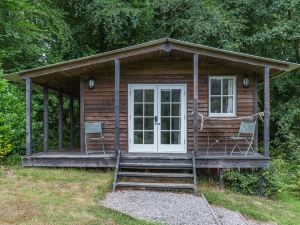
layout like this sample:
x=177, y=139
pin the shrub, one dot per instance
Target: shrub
x=12, y=119
x=5, y=147
x=294, y=181
x=247, y=181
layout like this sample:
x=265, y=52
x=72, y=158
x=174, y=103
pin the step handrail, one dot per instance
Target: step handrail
x=116, y=170
x=194, y=172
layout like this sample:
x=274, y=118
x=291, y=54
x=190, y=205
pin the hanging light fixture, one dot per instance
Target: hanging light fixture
x=91, y=83
x=246, y=82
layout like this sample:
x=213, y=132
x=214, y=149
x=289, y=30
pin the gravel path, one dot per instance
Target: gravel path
x=164, y=207
x=173, y=209
x=229, y=217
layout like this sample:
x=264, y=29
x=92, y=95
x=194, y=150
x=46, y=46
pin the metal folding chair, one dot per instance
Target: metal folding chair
x=246, y=134
x=94, y=129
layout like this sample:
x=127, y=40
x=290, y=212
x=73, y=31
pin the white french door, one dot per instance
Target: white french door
x=157, y=118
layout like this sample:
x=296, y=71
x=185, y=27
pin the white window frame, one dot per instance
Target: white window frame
x=234, y=97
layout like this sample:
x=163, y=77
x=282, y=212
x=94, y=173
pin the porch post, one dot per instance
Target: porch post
x=117, y=106
x=71, y=111
x=196, y=102
x=60, y=120
x=255, y=110
x=82, y=144
x=266, y=111
x=28, y=116
x=46, y=118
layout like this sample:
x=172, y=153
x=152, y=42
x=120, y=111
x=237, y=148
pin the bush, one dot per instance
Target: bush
x=12, y=160
x=5, y=143
x=247, y=181
x=12, y=119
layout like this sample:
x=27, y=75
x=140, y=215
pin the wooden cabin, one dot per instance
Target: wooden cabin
x=162, y=100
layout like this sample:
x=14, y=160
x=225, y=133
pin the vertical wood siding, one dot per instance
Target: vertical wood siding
x=99, y=102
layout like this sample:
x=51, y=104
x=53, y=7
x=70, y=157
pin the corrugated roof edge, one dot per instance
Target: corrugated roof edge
x=16, y=75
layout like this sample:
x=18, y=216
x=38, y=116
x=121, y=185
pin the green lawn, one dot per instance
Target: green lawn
x=70, y=196
x=284, y=209
x=56, y=196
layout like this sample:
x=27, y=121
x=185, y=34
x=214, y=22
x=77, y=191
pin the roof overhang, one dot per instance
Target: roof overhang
x=164, y=44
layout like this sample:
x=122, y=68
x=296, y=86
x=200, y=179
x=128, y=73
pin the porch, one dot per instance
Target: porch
x=75, y=158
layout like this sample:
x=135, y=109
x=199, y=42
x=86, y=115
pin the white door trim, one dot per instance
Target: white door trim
x=157, y=147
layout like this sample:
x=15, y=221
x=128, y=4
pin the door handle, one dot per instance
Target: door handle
x=155, y=121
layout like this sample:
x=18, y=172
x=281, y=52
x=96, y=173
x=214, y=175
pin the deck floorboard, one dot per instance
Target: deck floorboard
x=97, y=159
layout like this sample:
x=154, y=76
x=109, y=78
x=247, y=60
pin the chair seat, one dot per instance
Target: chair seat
x=95, y=138
x=237, y=138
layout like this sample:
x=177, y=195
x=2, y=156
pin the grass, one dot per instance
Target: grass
x=56, y=196
x=72, y=196
x=284, y=208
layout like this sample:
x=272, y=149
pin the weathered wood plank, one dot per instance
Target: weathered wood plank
x=155, y=185
x=46, y=118
x=82, y=114
x=71, y=111
x=99, y=104
x=156, y=175
x=60, y=120
x=255, y=109
x=28, y=116
x=266, y=111
x=196, y=102
x=117, y=105
x=221, y=178
x=77, y=159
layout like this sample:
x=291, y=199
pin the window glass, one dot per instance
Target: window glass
x=222, y=96
x=215, y=88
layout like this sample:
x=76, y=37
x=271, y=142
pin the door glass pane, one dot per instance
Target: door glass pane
x=165, y=96
x=149, y=95
x=175, y=109
x=149, y=123
x=215, y=87
x=227, y=104
x=165, y=109
x=138, y=137
x=176, y=95
x=215, y=105
x=149, y=109
x=165, y=123
x=138, y=109
x=175, y=123
x=149, y=137
x=165, y=137
x=138, y=95
x=138, y=123
x=175, y=137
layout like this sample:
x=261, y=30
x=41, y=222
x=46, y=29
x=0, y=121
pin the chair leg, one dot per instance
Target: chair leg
x=103, y=145
x=233, y=149
x=250, y=146
x=86, y=144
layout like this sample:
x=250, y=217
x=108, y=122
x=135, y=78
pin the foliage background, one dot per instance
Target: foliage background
x=40, y=32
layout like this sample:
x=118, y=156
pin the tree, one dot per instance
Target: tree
x=32, y=33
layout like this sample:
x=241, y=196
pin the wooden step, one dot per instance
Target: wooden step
x=148, y=156
x=157, y=165
x=155, y=175
x=167, y=186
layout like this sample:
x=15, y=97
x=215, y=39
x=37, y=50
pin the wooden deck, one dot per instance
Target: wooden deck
x=101, y=160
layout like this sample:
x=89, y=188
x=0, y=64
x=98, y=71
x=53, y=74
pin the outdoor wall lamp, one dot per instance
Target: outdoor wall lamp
x=246, y=82
x=91, y=83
